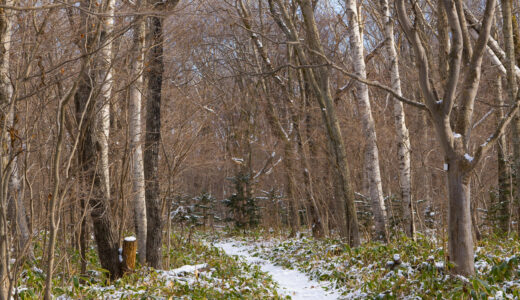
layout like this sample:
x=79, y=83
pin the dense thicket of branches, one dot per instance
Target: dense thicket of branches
x=362, y=119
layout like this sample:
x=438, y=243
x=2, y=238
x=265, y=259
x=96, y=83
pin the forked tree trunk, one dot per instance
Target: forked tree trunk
x=138, y=191
x=369, y=130
x=460, y=242
x=454, y=142
x=152, y=143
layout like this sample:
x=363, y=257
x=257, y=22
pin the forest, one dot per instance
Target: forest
x=259, y=149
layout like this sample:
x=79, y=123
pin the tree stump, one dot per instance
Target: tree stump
x=129, y=253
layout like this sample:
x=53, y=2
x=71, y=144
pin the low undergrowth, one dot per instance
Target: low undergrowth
x=401, y=269
x=197, y=271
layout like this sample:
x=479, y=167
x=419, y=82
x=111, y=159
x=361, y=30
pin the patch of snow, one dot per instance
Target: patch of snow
x=187, y=269
x=130, y=239
x=457, y=135
x=439, y=264
x=291, y=282
x=357, y=294
x=468, y=157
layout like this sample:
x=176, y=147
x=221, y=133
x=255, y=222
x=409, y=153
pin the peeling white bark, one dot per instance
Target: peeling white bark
x=104, y=81
x=135, y=130
x=369, y=130
x=403, y=138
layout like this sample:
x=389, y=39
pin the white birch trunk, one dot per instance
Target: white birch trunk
x=104, y=81
x=138, y=188
x=403, y=138
x=369, y=130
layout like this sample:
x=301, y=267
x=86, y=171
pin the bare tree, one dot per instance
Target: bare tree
x=455, y=141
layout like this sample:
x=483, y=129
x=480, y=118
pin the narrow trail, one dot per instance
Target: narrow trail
x=291, y=282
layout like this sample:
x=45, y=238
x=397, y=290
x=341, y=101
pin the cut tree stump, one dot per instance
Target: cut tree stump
x=129, y=253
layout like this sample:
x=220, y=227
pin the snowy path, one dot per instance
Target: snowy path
x=291, y=282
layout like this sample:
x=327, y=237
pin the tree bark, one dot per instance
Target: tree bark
x=460, y=241
x=105, y=83
x=104, y=230
x=90, y=156
x=504, y=187
x=138, y=190
x=403, y=137
x=152, y=143
x=369, y=130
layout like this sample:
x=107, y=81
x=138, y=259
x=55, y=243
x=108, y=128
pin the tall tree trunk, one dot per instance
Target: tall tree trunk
x=504, y=187
x=105, y=83
x=369, y=130
x=104, y=230
x=460, y=241
x=152, y=143
x=319, y=80
x=90, y=150
x=403, y=138
x=509, y=47
x=138, y=190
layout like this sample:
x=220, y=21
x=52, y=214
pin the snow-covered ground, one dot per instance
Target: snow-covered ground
x=291, y=282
